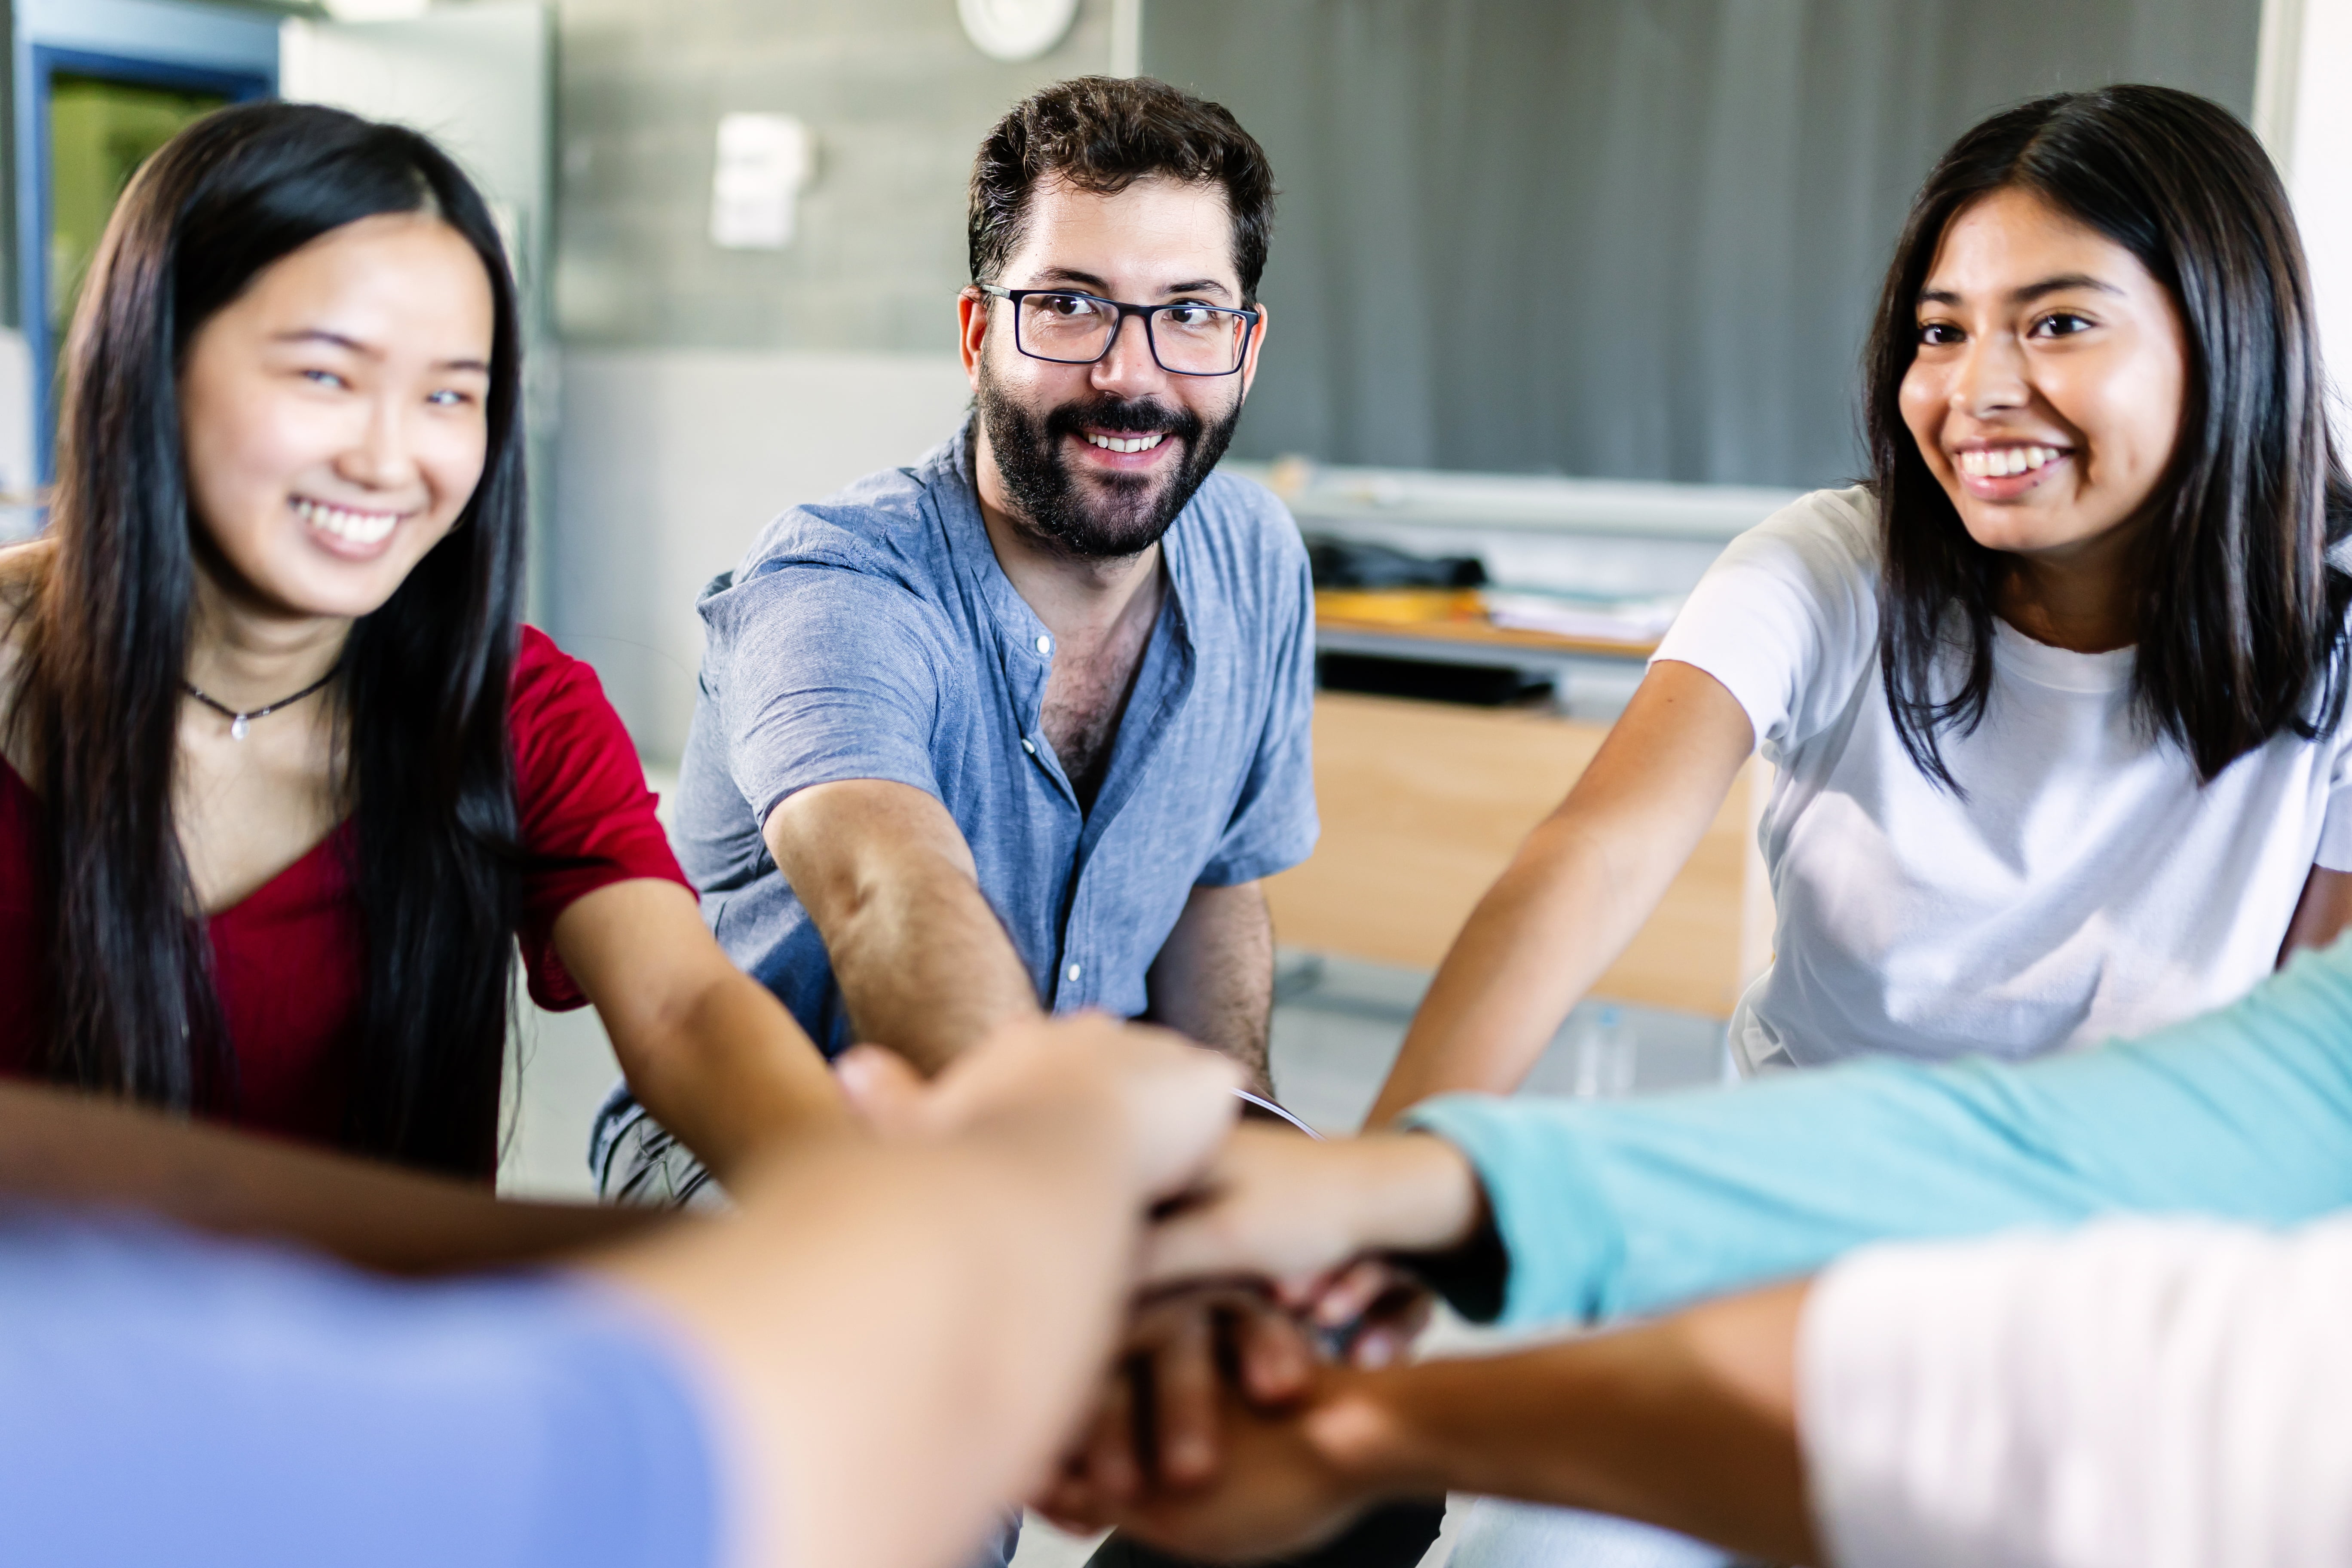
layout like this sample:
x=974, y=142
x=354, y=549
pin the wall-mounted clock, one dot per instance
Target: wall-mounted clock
x=1017, y=29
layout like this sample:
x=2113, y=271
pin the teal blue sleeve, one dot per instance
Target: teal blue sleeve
x=1608, y=1209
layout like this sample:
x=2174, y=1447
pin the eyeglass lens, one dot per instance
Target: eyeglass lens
x=1190, y=340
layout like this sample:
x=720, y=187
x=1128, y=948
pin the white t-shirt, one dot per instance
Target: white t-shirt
x=2139, y=1394
x=2087, y=886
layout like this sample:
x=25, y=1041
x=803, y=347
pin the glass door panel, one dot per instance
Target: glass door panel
x=100, y=131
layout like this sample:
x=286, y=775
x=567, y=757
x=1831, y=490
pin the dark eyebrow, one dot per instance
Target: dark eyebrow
x=1088, y=280
x=1071, y=275
x=2063, y=281
x=322, y=335
x=2031, y=291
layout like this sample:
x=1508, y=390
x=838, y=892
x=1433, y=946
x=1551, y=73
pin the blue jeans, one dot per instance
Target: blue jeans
x=999, y=1550
x=1501, y=1534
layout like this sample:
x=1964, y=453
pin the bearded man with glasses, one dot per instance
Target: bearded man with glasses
x=1020, y=727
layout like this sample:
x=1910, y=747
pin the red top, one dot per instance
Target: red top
x=289, y=959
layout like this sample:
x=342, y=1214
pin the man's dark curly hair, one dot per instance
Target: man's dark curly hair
x=1103, y=133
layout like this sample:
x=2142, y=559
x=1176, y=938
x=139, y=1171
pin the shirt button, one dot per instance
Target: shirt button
x=1029, y=746
x=1072, y=972
x=1045, y=645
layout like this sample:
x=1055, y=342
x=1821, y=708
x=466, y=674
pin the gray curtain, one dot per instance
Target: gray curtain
x=1631, y=238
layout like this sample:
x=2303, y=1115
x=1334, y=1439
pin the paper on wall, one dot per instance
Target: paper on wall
x=763, y=162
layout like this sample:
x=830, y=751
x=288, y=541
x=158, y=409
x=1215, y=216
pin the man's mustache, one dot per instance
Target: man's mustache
x=1139, y=417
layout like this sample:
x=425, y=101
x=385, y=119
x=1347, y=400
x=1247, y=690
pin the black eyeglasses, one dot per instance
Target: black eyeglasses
x=1069, y=328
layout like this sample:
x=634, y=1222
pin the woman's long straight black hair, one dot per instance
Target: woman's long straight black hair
x=422, y=685
x=2240, y=617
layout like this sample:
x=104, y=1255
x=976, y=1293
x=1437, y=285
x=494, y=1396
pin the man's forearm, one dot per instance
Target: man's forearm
x=1214, y=977
x=924, y=963
x=59, y=1147
x=927, y=967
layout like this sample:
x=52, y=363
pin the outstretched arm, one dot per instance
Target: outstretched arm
x=708, y=1050
x=59, y=1147
x=1638, y=1207
x=853, y=1367
x=899, y=1335
x=921, y=958
x=2136, y=1391
x=1577, y=892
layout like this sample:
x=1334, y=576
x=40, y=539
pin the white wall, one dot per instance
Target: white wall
x=667, y=463
x=2304, y=115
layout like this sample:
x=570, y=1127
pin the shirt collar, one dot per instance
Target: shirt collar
x=950, y=477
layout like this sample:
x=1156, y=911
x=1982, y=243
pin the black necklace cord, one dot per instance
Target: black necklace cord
x=239, y=722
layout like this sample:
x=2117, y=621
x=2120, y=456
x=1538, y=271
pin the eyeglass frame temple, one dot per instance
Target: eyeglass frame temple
x=1150, y=342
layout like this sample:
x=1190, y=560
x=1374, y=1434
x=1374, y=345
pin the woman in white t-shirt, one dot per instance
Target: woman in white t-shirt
x=2055, y=699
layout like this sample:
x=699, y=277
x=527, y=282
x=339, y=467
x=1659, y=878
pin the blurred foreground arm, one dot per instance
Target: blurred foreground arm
x=2140, y=1392
x=899, y=1335
x=1637, y=1207
x=1606, y=1210
x=58, y=1147
x=852, y=1368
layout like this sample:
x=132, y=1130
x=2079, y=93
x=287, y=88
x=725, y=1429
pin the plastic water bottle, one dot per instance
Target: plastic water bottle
x=1604, y=1056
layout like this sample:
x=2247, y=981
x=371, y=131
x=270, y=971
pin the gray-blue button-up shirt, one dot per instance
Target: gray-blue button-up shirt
x=872, y=635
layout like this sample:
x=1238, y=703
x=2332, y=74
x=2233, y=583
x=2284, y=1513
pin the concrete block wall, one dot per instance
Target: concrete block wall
x=899, y=99
x=667, y=463
x=704, y=390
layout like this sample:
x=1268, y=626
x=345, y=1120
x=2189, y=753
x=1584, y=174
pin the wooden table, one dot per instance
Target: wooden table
x=1463, y=629
x=1425, y=802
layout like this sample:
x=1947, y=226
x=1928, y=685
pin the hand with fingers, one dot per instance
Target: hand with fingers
x=1261, y=1272
x=1167, y=1101
x=1308, y=1218
x=1292, y=1476
x=1156, y=1425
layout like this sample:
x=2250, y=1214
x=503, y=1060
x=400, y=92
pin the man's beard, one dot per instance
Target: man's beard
x=1116, y=515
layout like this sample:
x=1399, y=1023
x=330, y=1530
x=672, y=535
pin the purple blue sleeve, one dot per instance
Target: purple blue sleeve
x=823, y=673
x=175, y=1400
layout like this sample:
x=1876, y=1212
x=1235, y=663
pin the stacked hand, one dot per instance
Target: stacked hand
x=1230, y=1419
x=1167, y=1103
x=1221, y=1430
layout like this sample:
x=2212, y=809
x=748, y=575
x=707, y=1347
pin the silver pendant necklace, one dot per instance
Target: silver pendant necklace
x=238, y=723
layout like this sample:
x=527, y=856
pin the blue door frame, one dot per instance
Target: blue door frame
x=33, y=206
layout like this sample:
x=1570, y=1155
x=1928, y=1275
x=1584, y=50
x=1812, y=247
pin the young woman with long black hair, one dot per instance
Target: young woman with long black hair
x=283, y=778
x=2055, y=697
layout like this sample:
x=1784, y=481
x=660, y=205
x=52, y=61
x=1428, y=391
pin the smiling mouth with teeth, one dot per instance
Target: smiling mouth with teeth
x=2000, y=462
x=1127, y=443
x=355, y=527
